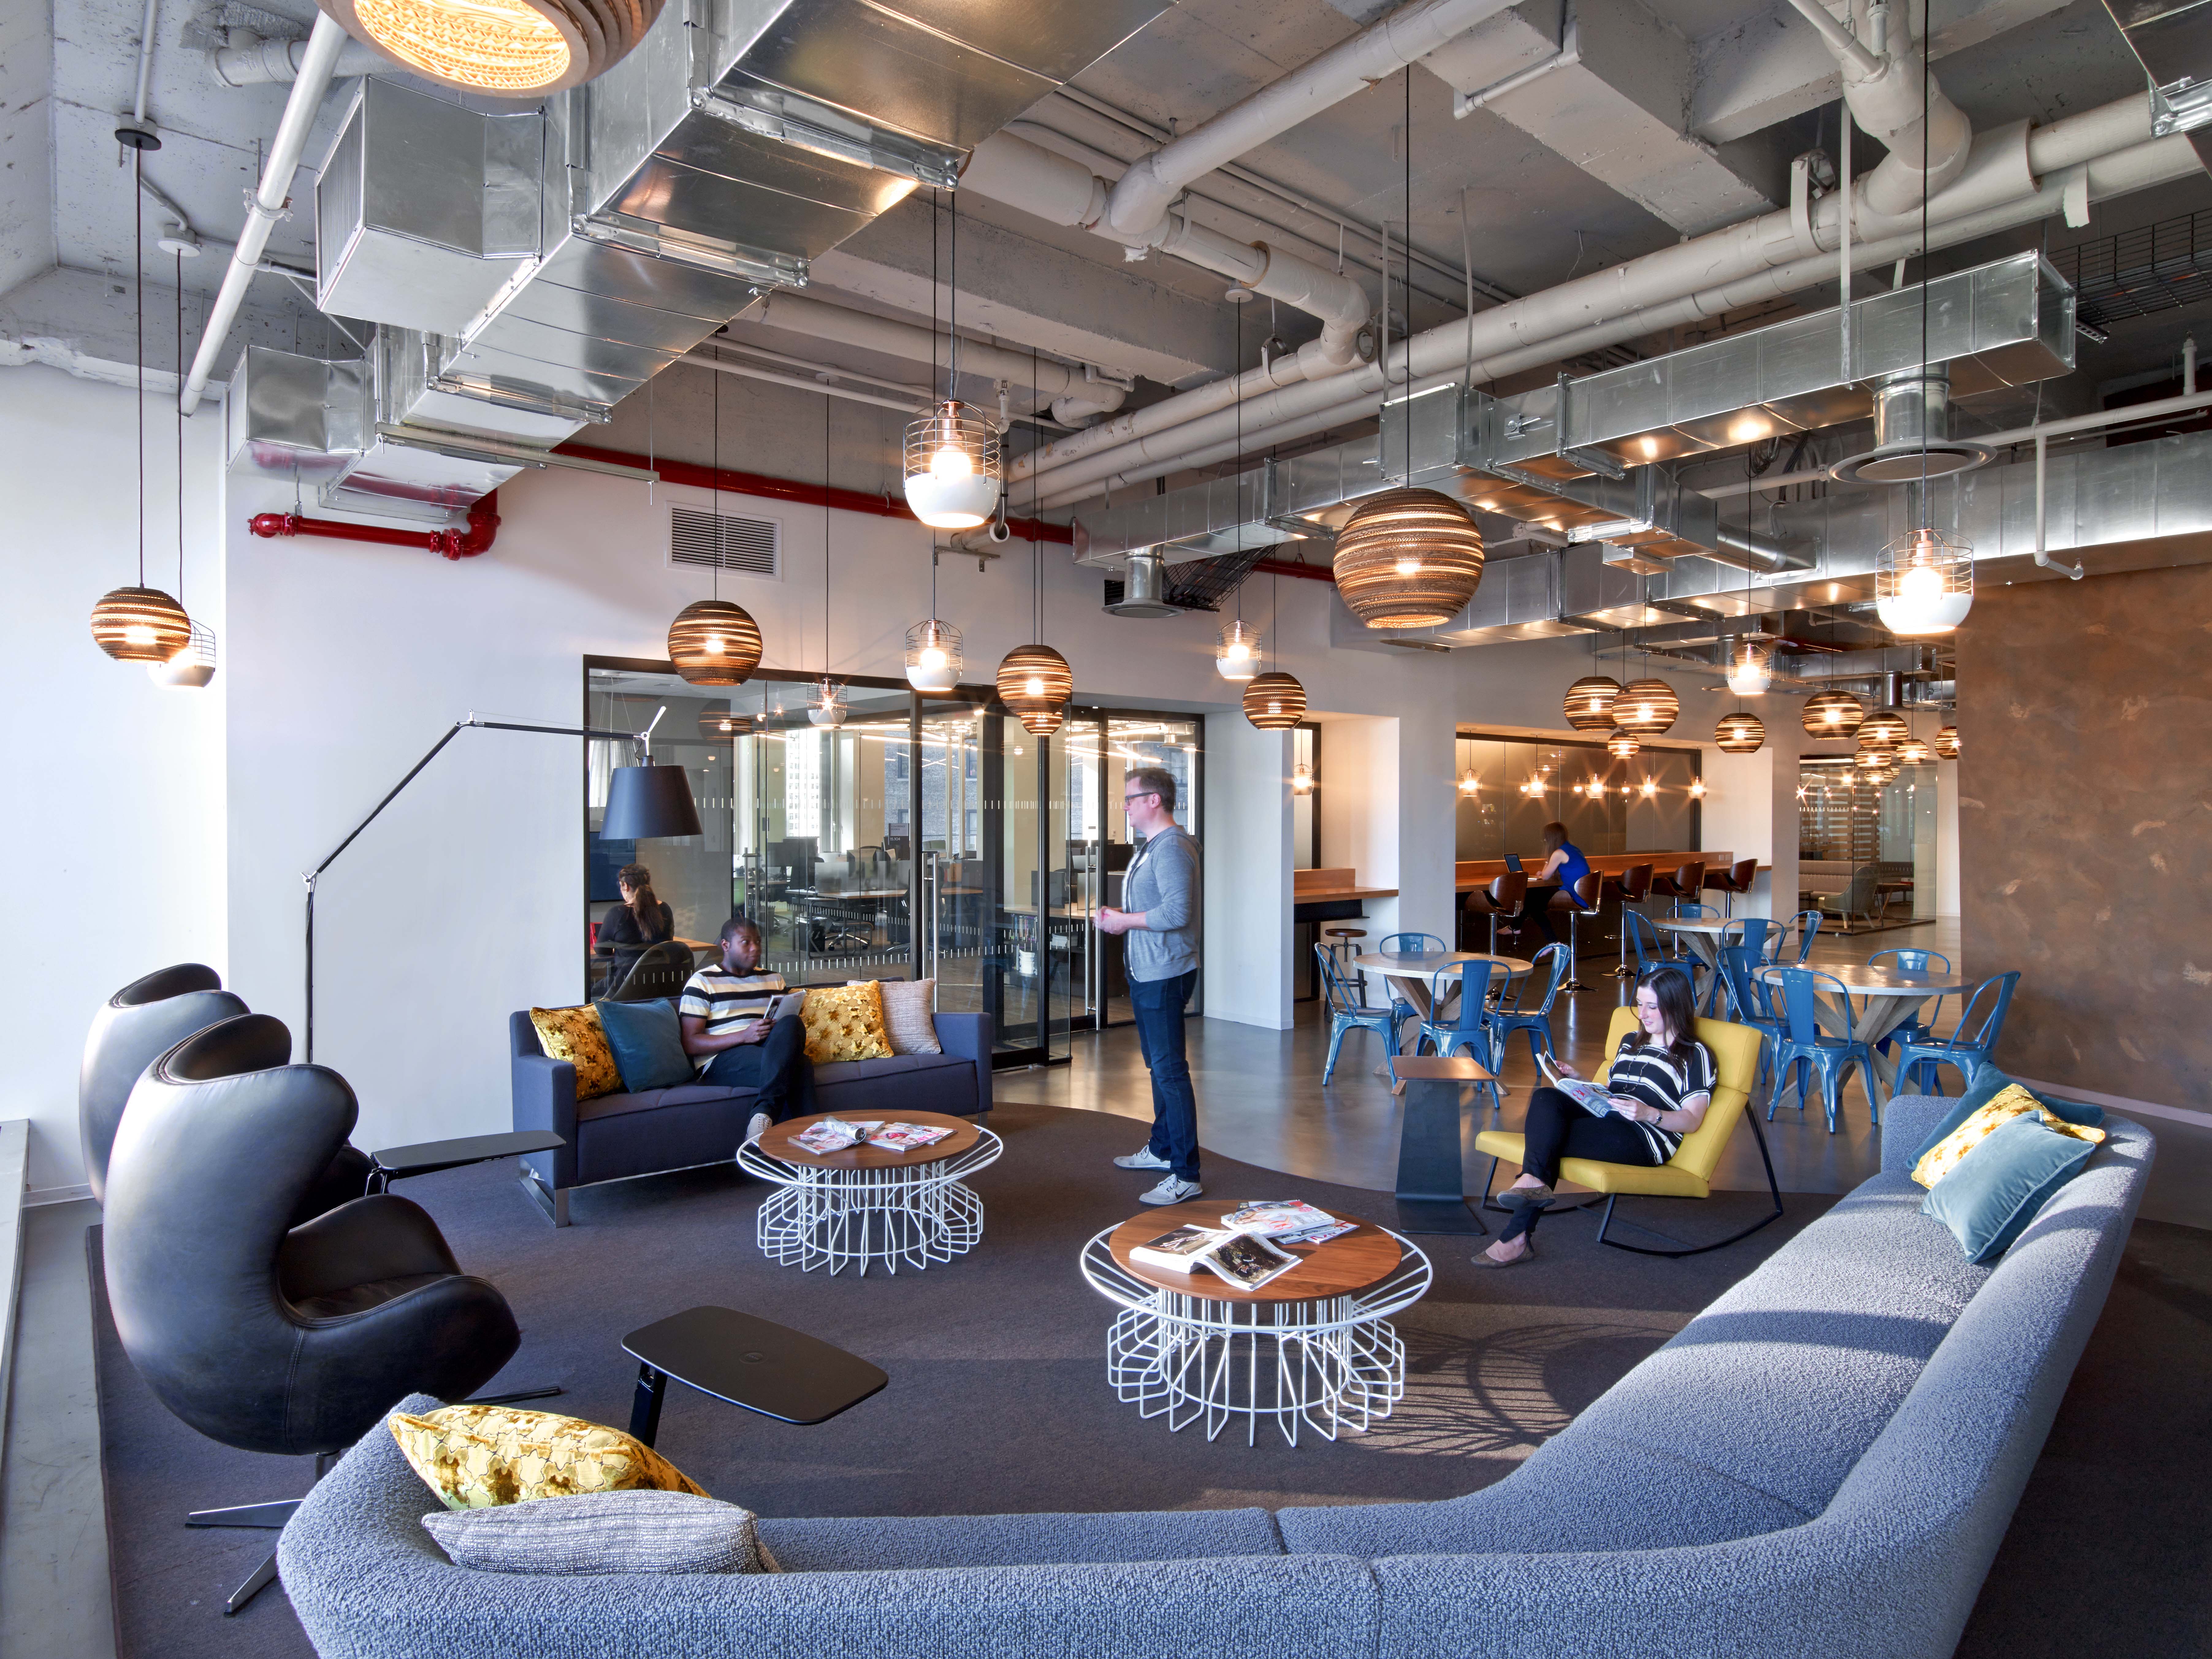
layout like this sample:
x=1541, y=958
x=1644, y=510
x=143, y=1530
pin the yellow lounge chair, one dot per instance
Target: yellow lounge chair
x=1689, y=1172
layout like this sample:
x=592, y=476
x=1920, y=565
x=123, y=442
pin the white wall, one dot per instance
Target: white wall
x=113, y=835
x=1947, y=838
x=1248, y=878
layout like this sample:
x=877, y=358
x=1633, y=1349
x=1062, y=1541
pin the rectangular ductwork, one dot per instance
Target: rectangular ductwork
x=528, y=270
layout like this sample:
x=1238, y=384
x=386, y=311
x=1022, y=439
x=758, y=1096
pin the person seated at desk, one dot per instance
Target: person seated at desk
x=1660, y=1082
x=721, y=1013
x=1563, y=866
x=639, y=922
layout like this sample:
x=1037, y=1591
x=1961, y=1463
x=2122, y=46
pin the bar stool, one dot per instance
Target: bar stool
x=1686, y=882
x=1342, y=951
x=1730, y=882
x=1579, y=901
x=1504, y=899
x=1635, y=883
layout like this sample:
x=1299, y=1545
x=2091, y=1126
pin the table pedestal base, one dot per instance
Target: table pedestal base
x=854, y=1221
x=1299, y=1364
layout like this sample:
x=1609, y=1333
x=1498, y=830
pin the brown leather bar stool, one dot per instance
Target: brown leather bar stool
x=1730, y=882
x=1635, y=882
x=1503, y=901
x=1579, y=901
x=1686, y=882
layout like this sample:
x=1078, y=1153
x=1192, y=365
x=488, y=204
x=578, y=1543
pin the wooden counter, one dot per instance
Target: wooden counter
x=1480, y=872
x=1308, y=886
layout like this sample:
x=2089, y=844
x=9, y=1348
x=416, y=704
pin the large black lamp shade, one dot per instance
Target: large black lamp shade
x=644, y=802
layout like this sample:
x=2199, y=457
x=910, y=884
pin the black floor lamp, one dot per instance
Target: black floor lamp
x=643, y=801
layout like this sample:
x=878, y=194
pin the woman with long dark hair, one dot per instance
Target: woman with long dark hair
x=1563, y=863
x=1660, y=1082
x=641, y=921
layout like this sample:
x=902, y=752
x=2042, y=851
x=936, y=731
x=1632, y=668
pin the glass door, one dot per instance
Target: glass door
x=1073, y=844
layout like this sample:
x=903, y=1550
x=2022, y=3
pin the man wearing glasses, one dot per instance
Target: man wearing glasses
x=1160, y=931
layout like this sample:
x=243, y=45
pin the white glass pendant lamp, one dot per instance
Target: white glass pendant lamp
x=1923, y=583
x=933, y=656
x=1236, y=655
x=954, y=467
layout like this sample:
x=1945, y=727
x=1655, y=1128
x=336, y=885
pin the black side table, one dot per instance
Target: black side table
x=1431, y=1191
x=426, y=1158
x=753, y=1363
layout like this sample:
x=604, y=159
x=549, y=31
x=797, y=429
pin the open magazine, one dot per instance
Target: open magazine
x=1287, y=1221
x=834, y=1135
x=1592, y=1097
x=1245, y=1261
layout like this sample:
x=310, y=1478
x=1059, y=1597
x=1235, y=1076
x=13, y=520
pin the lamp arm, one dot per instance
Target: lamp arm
x=458, y=726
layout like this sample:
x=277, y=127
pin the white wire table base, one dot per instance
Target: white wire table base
x=1332, y=1364
x=891, y=1215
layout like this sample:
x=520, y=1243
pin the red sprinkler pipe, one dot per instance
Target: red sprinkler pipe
x=482, y=530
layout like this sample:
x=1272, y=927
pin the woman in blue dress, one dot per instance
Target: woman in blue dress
x=1564, y=864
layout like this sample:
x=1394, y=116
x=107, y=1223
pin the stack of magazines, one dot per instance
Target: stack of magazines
x=1287, y=1221
x=1244, y=1260
x=834, y=1135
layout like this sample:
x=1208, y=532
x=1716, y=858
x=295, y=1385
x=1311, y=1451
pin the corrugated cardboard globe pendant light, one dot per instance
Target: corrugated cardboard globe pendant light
x=1274, y=701
x=502, y=48
x=1739, y=734
x=1408, y=558
x=1884, y=730
x=1833, y=714
x=1622, y=745
x=714, y=642
x=139, y=624
x=1646, y=707
x=1036, y=683
x=1589, y=702
x=1946, y=743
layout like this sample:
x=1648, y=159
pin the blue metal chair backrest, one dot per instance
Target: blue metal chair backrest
x=1912, y=961
x=1341, y=1000
x=1807, y=923
x=1984, y=1037
x=1643, y=940
x=1411, y=943
x=1750, y=930
x=1801, y=1004
x=1512, y=1001
x=1690, y=910
x=1740, y=966
x=1473, y=978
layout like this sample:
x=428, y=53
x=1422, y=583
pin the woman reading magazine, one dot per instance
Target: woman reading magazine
x=1661, y=1083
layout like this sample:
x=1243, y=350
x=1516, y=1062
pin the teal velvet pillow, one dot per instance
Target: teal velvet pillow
x=1999, y=1186
x=647, y=1042
x=1987, y=1084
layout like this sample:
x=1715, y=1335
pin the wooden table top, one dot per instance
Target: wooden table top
x=1439, y=1068
x=777, y=1143
x=1345, y=1266
x=1420, y=964
x=1882, y=981
x=1691, y=924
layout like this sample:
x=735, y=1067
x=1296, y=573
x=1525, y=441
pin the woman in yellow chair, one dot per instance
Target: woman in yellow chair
x=1660, y=1082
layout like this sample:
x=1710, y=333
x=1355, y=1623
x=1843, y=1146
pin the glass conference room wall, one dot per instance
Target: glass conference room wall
x=1509, y=788
x=925, y=837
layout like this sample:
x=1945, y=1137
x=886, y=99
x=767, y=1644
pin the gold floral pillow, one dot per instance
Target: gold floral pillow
x=476, y=1456
x=2004, y=1106
x=575, y=1035
x=846, y=1024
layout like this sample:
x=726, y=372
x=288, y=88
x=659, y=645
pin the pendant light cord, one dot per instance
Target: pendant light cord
x=1926, y=521
x=180, y=425
x=952, y=307
x=138, y=278
x=936, y=225
x=717, y=577
x=1036, y=547
x=828, y=402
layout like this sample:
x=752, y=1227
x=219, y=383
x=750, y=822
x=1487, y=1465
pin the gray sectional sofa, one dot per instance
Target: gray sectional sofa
x=1821, y=1463
x=620, y=1135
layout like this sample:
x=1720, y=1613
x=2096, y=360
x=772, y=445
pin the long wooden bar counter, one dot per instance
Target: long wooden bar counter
x=1472, y=873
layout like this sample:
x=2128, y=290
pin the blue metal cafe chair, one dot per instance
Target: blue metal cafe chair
x=1967, y=1048
x=1753, y=1001
x=1470, y=1028
x=1917, y=1029
x=1349, y=1011
x=1803, y=1043
x=1516, y=1012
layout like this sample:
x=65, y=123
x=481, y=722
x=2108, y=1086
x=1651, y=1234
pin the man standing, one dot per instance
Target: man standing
x=1160, y=930
x=726, y=1032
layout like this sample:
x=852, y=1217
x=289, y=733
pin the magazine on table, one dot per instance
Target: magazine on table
x=1592, y=1097
x=906, y=1137
x=1243, y=1260
x=834, y=1135
x=1287, y=1221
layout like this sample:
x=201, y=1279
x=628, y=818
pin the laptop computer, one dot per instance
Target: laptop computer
x=1513, y=862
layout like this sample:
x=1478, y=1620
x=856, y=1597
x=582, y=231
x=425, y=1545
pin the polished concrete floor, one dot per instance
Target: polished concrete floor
x=1260, y=1098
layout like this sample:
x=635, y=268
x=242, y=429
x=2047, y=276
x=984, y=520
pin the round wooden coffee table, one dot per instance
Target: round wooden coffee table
x=1311, y=1349
x=869, y=1203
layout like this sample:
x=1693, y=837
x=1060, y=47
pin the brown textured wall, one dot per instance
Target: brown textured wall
x=2085, y=827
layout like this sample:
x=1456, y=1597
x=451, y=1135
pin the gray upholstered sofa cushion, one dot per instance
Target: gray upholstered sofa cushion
x=1016, y=1540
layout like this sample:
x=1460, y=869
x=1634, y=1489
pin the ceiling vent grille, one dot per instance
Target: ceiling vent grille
x=747, y=547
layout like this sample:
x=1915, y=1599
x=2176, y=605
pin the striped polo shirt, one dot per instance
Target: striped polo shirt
x=1657, y=1078
x=727, y=1001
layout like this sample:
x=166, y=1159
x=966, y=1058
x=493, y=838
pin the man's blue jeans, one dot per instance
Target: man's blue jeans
x=1158, y=1005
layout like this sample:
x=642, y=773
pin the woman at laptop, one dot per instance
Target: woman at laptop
x=1661, y=1083
x=1563, y=866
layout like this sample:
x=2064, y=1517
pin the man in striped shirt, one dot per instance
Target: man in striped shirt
x=733, y=1045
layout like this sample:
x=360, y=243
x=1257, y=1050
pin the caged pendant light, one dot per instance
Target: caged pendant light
x=140, y=623
x=954, y=466
x=712, y=641
x=933, y=654
x=1236, y=653
x=1589, y=702
x=1739, y=734
x=1750, y=664
x=829, y=705
x=1923, y=583
x=1834, y=715
x=500, y=48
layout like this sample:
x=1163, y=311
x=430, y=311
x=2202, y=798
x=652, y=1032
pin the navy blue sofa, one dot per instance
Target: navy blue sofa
x=618, y=1136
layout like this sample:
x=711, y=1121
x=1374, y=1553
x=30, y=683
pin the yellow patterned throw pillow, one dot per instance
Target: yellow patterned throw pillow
x=476, y=1456
x=574, y=1034
x=2008, y=1104
x=846, y=1024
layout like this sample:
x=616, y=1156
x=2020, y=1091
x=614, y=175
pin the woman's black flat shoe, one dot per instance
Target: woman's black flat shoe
x=1525, y=1198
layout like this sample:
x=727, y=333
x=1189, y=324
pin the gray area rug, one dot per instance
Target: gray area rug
x=998, y=1400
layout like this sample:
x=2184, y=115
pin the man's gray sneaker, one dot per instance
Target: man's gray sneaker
x=1172, y=1189
x=1143, y=1158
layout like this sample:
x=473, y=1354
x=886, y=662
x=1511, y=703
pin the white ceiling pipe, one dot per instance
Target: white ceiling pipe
x=1886, y=100
x=828, y=389
x=2002, y=169
x=250, y=61
x=266, y=205
x=146, y=31
x=2158, y=162
x=1142, y=199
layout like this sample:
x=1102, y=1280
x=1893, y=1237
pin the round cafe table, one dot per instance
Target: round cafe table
x=1702, y=935
x=1890, y=996
x=1313, y=1348
x=869, y=1203
x=1414, y=970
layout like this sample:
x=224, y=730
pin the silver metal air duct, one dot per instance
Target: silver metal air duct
x=1144, y=587
x=1912, y=436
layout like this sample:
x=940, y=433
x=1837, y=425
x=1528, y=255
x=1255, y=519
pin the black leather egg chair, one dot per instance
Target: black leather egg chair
x=140, y=1023
x=264, y=1335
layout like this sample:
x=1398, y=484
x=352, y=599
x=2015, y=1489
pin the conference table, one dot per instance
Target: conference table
x=1890, y=996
